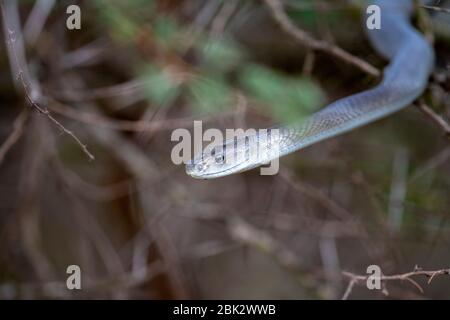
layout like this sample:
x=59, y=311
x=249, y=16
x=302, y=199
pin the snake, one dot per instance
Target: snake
x=410, y=59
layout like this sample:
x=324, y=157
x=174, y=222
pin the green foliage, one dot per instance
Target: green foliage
x=159, y=86
x=136, y=9
x=286, y=97
x=166, y=29
x=220, y=54
x=429, y=191
x=304, y=11
x=123, y=17
x=119, y=24
x=308, y=14
x=209, y=95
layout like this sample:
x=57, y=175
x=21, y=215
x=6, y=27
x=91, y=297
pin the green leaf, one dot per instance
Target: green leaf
x=159, y=85
x=220, y=54
x=120, y=25
x=124, y=17
x=287, y=98
x=304, y=13
x=209, y=95
x=165, y=29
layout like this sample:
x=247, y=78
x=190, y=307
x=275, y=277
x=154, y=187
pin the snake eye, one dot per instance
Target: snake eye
x=200, y=167
x=220, y=158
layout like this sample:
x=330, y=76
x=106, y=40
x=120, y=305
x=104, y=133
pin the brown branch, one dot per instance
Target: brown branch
x=438, y=9
x=58, y=289
x=301, y=36
x=349, y=289
x=129, y=125
x=248, y=234
x=322, y=199
x=280, y=16
x=220, y=21
x=437, y=119
x=145, y=172
x=47, y=113
x=15, y=135
x=16, y=55
x=357, y=279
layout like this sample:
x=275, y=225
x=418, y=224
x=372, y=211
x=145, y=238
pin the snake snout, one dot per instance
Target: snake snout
x=196, y=169
x=190, y=168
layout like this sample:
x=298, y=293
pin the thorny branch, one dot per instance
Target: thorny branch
x=357, y=279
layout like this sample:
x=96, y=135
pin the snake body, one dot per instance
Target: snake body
x=404, y=79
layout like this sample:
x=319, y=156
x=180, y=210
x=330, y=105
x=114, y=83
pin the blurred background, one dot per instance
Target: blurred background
x=138, y=226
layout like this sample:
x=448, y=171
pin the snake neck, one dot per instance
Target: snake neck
x=411, y=62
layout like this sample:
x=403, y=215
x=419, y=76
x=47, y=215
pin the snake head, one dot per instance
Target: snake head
x=233, y=156
x=217, y=161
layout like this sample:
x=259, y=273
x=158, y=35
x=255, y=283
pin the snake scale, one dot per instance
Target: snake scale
x=411, y=60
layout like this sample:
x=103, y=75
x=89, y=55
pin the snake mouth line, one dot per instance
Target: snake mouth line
x=191, y=167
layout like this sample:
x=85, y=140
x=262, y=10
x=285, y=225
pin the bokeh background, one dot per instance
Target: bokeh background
x=139, y=227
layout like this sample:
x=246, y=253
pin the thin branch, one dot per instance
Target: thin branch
x=24, y=81
x=47, y=113
x=438, y=9
x=349, y=289
x=36, y=20
x=431, y=164
x=130, y=125
x=280, y=16
x=58, y=289
x=357, y=279
x=143, y=169
x=248, y=234
x=437, y=119
x=398, y=189
x=322, y=199
x=15, y=135
x=220, y=21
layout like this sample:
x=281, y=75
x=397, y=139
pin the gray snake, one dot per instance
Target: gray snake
x=404, y=79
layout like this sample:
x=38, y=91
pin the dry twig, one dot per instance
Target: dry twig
x=437, y=119
x=306, y=39
x=130, y=125
x=356, y=279
x=280, y=16
x=15, y=135
x=19, y=66
x=438, y=9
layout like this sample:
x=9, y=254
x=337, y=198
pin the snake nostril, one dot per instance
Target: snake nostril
x=220, y=159
x=190, y=166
